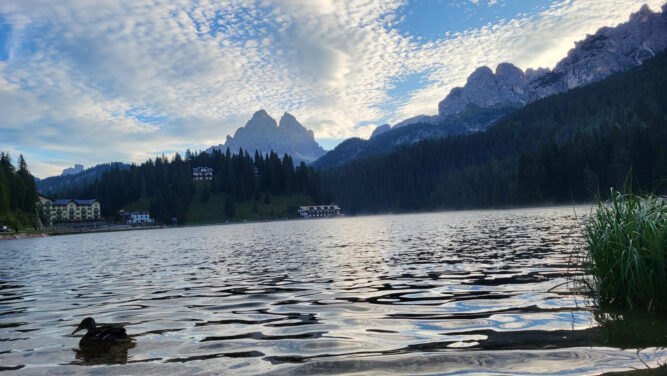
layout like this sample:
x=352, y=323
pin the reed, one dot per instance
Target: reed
x=626, y=251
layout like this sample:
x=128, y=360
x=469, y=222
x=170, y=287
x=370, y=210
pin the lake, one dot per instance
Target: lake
x=485, y=292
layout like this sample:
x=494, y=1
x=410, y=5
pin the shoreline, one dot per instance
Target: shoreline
x=21, y=236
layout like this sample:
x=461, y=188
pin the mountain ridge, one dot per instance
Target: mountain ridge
x=263, y=134
x=60, y=183
x=608, y=50
x=561, y=149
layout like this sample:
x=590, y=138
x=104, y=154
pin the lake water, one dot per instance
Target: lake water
x=442, y=293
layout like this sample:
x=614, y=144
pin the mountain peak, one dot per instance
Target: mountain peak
x=72, y=170
x=261, y=133
x=480, y=74
x=380, y=129
x=289, y=123
x=260, y=113
x=508, y=69
x=642, y=13
x=260, y=120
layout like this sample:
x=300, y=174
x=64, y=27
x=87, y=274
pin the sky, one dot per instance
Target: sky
x=91, y=82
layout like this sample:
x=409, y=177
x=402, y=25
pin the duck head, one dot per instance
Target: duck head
x=88, y=323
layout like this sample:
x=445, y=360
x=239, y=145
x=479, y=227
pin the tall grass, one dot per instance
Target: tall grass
x=627, y=251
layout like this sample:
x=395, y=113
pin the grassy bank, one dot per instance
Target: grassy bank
x=213, y=208
x=627, y=247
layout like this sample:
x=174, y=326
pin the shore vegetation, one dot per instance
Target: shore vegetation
x=626, y=242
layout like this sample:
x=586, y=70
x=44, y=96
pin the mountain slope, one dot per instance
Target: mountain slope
x=262, y=133
x=471, y=120
x=609, y=50
x=557, y=149
x=67, y=181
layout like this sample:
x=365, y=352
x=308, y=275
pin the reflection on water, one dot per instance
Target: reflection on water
x=411, y=294
x=96, y=355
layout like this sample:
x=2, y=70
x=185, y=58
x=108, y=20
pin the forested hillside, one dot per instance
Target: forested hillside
x=63, y=182
x=559, y=149
x=167, y=189
x=17, y=193
x=473, y=119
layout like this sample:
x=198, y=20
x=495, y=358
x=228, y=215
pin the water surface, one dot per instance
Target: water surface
x=474, y=293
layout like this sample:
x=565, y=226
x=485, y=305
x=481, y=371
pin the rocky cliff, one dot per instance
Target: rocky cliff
x=609, y=50
x=72, y=170
x=489, y=95
x=263, y=134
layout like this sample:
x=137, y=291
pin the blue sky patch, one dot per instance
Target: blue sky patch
x=5, y=30
x=431, y=20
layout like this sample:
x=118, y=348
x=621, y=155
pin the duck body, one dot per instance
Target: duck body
x=106, y=335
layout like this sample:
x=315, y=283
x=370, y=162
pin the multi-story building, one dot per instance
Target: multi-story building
x=68, y=210
x=202, y=173
x=134, y=218
x=318, y=211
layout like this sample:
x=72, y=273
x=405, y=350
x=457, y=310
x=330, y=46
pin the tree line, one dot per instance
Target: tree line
x=562, y=149
x=167, y=186
x=18, y=194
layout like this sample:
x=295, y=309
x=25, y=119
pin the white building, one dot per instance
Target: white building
x=202, y=173
x=140, y=217
x=318, y=211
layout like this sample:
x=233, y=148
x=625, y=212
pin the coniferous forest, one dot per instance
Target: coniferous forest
x=562, y=149
x=18, y=194
x=167, y=189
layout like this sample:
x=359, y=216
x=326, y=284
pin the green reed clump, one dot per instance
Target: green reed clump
x=627, y=249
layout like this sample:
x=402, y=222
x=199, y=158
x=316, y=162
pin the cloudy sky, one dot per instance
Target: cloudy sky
x=85, y=81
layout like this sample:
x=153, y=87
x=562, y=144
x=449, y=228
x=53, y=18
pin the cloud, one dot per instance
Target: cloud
x=123, y=79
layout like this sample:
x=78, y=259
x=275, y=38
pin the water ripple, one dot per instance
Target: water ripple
x=444, y=293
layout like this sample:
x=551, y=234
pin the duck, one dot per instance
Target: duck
x=106, y=335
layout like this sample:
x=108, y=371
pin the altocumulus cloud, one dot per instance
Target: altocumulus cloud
x=84, y=81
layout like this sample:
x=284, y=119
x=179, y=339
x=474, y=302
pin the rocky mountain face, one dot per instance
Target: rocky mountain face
x=262, y=133
x=72, y=170
x=609, y=50
x=380, y=130
x=418, y=119
x=489, y=95
x=390, y=139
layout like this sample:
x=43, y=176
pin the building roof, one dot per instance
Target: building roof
x=85, y=202
x=199, y=169
x=61, y=201
x=65, y=201
x=318, y=207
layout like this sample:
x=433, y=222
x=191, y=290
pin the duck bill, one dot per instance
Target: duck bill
x=77, y=329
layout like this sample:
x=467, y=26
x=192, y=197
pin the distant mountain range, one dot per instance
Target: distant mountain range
x=487, y=96
x=75, y=177
x=562, y=149
x=262, y=133
x=384, y=140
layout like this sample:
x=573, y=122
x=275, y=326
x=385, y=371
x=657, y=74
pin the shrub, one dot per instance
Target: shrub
x=627, y=245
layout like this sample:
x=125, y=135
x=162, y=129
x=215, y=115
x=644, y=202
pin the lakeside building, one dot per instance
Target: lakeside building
x=134, y=218
x=318, y=211
x=202, y=173
x=68, y=210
